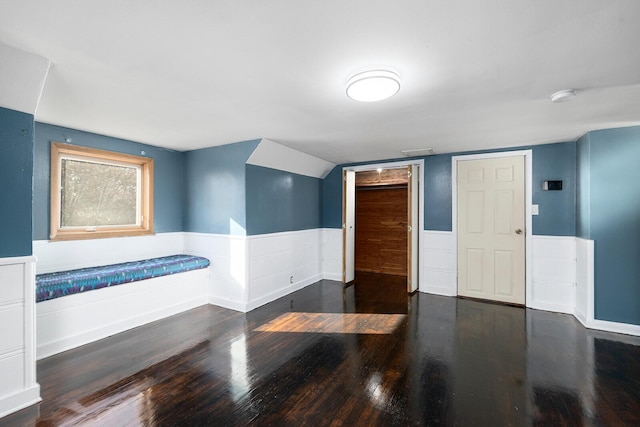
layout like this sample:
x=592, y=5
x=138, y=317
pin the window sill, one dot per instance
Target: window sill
x=98, y=234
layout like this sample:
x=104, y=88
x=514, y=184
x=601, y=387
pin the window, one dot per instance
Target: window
x=97, y=193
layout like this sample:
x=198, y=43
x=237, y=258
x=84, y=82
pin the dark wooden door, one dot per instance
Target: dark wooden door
x=381, y=230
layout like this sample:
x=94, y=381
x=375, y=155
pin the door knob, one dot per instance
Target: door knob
x=519, y=231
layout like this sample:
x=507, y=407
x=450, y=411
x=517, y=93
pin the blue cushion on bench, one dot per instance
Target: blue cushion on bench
x=54, y=285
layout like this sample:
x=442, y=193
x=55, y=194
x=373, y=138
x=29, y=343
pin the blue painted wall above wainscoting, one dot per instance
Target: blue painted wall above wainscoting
x=16, y=176
x=550, y=162
x=557, y=215
x=215, y=188
x=609, y=214
x=437, y=193
x=332, y=198
x=168, y=166
x=583, y=187
x=281, y=201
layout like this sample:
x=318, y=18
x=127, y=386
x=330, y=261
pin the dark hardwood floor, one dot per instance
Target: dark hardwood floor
x=405, y=360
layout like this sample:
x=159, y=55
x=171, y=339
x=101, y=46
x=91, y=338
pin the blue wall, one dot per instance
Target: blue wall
x=583, y=187
x=550, y=162
x=613, y=199
x=215, y=188
x=281, y=201
x=332, y=198
x=168, y=167
x=437, y=193
x=557, y=208
x=16, y=173
x=214, y=191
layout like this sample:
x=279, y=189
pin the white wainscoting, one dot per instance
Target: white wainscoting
x=78, y=319
x=553, y=269
x=227, y=286
x=439, y=265
x=584, y=280
x=281, y=263
x=553, y=273
x=74, y=320
x=332, y=248
x=72, y=254
x=249, y=271
x=18, y=386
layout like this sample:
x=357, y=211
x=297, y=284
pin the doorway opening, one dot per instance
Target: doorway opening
x=381, y=222
x=412, y=172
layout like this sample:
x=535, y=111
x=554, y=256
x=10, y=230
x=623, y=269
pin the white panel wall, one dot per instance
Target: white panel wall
x=553, y=269
x=249, y=271
x=227, y=285
x=281, y=263
x=65, y=323
x=272, y=260
x=69, y=255
x=18, y=387
x=584, y=280
x=78, y=319
x=332, y=248
x=553, y=273
x=439, y=263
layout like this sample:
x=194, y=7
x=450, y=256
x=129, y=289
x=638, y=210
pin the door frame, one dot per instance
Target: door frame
x=528, y=191
x=396, y=165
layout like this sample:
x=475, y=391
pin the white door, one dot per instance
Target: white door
x=348, y=226
x=412, y=228
x=491, y=229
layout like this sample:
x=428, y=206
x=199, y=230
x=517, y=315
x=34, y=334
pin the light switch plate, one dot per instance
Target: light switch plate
x=534, y=210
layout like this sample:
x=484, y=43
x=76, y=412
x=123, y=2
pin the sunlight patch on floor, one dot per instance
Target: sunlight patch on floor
x=334, y=323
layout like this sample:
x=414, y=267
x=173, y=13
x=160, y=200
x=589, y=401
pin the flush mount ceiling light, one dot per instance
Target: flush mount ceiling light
x=374, y=85
x=563, y=95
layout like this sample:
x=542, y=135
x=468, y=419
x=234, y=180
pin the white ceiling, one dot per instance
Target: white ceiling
x=194, y=73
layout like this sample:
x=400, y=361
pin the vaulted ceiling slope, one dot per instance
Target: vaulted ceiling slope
x=193, y=74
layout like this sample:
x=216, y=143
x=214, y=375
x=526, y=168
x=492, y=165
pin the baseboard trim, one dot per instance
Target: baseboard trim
x=581, y=317
x=15, y=402
x=330, y=276
x=228, y=304
x=272, y=296
x=556, y=308
x=620, y=328
x=434, y=290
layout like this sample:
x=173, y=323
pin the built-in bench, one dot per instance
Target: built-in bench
x=76, y=307
x=61, y=283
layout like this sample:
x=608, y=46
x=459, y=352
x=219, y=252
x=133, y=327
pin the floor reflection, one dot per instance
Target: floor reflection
x=433, y=393
x=239, y=369
x=334, y=323
x=133, y=398
x=556, y=407
x=365, y=354
x=617, y=381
